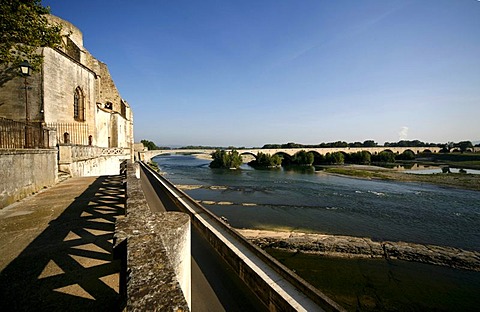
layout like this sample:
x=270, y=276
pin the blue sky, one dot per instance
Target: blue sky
x=247, y=73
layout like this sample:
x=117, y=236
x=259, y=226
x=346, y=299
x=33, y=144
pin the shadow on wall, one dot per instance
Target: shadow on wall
x=70, y=266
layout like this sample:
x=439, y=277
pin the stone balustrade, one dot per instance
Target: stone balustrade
x=87, y=160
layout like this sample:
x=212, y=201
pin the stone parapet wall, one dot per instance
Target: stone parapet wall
x=276, y=286
x=85, y=160
x=24, y=172
x=155, y=251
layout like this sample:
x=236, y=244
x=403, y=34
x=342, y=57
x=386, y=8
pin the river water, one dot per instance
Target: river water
x=309, y=201
x=306, y=200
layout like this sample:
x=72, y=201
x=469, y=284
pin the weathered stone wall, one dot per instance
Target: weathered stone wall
x=13, y=100
x=108, y=90
x=68, y=29
x=25, y=172
x=155, y=249
x=61, y=76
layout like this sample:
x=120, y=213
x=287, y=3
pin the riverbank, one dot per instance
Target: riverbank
x=362, y=247
x=457, y=180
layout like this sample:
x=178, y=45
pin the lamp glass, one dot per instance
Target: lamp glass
x=25, y=67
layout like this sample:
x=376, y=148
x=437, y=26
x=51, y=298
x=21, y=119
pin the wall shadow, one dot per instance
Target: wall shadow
x=70, y=265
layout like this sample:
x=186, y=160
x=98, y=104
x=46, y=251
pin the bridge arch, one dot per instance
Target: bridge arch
x=427, y=151
x=286, y=158
x=249, y=154
x=388, y=151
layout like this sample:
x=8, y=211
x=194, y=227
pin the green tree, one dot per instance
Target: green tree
x=362, y=157
x=406, y=155
x=227, y=160
x=150, y=145
x=23, y=29
x=369, y=143
x=464, y=145
x=384, y=157
x=335, y=158
x=266, y=161
x=303, y=158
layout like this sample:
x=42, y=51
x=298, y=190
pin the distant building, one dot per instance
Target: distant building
x=72, y=98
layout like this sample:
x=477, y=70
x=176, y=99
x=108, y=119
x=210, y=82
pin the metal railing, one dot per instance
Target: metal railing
x=16, y=134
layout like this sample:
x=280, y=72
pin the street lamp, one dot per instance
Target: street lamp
x=26, y=70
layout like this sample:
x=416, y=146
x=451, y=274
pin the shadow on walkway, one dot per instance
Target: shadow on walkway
x=70, y=266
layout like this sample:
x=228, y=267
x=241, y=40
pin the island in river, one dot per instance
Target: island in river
x=457, y=180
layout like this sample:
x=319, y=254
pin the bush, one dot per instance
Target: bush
x=266, y=161
x=303, y=158
x=336, y=158
x=362, y=158
x=227, y=160
x=384, y=157
x=407, y=155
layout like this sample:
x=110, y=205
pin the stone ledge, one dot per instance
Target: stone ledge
x=153, y=249
x=27, y=151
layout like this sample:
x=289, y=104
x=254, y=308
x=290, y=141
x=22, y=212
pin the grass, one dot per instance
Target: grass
x=366, y=174
x=464, y=181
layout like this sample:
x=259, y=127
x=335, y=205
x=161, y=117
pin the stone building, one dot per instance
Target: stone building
x=74, y=102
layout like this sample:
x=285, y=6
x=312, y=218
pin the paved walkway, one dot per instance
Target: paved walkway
x=56, y=248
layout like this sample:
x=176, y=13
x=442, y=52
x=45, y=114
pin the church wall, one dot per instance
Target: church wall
x=61, y=77
x=103, y=127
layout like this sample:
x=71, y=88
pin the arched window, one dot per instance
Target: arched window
x=78, y=105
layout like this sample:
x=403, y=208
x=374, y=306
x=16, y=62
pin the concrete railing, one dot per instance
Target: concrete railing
x=276, y=286
x=155, y=253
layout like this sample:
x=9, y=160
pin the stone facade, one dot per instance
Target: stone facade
x=74, y=95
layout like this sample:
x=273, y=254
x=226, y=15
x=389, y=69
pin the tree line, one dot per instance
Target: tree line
x=461, y=146
x=367, y=143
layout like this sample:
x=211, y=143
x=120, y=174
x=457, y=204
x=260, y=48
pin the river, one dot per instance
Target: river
x=309, y=201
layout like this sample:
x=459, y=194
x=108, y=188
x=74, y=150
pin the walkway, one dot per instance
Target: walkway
x=56, y=248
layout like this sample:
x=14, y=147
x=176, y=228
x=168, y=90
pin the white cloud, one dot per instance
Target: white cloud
x=403, y=134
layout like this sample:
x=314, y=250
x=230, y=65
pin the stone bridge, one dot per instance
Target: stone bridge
x=147, y=155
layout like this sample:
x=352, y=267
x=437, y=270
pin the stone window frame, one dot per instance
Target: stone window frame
x=78, y=105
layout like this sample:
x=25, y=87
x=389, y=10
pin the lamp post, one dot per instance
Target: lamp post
x=26, y=70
